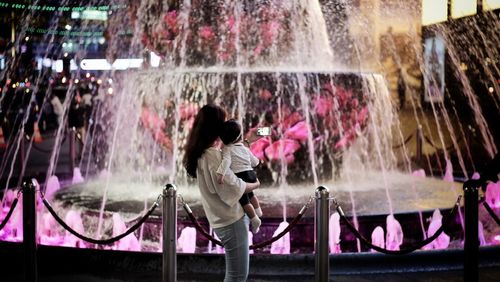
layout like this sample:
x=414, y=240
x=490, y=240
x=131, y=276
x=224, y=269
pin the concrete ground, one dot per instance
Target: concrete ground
x=58, y=264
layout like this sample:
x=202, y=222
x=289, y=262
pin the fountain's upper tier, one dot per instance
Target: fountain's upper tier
x=237, y=33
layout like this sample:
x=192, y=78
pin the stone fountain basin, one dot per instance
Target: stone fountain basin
x=368, y=192
x=410, y=196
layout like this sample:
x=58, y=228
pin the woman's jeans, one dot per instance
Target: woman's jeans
x=234, y=237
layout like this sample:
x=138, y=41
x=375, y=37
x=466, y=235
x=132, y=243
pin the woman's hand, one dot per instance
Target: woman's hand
x=252, y=136
x=220, y=178
x=252, y=186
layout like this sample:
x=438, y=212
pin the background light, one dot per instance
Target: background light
x=489, y=5
x=155, y=60
x=103, y=64
x=434, y=11
x=462, y=8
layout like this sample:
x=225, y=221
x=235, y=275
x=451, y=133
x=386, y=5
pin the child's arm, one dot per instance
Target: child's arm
x=254, y=161
x=224, y=165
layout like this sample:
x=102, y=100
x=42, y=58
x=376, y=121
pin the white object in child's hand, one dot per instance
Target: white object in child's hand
x=263, y=131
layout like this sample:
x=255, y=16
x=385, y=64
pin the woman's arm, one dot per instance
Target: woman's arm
x=251, y=186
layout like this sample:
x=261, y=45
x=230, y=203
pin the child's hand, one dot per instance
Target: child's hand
x=220, y=178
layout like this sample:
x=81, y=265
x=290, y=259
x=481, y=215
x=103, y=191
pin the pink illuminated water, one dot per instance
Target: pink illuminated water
x=443, y=240
x=282, y=245
x=52, y=187
x=378, y=238
x=394, y=236
x=492, y=195
x=77, y=176
x=334, y=235
x=74, y=220
x=187, y=240
x=129, y=242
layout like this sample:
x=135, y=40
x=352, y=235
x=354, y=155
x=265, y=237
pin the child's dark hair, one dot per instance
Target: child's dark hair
x=231, y=132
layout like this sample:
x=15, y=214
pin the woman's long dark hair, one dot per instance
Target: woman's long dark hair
x=206, y=129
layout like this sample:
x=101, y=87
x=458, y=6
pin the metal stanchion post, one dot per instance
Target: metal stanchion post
x=471, y=244
x=419, y=144
x=169, y=233
x=72, y=149
x=29, y=232
x=321, y=236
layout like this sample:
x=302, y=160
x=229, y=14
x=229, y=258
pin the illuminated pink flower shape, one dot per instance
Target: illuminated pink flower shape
x=188, y=110
x=347, y=139
x=257, y=148
x=162, y=139
x=343, y=96
x=363, y=115
x=145, y=116
x=145, y=40
x=265, y=94
x=170, y=19
x=269, y=31
x=156, y=126
x=283, y=147
x=258, y=50
x=300, y=131
x=292, y=119
x=224, y=56
x=231, y=24
x=150, y=120
x=323, y=106
x=355, y=103
x=206, y=32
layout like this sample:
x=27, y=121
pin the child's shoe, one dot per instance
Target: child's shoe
x=255, y=224
x=258, y=212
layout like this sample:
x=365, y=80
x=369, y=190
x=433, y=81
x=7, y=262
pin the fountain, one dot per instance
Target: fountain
x=378, y=238
x=268, y=63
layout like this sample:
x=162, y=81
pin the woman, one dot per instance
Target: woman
x=220, y=201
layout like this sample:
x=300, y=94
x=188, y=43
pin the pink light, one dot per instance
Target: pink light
x=497, y=238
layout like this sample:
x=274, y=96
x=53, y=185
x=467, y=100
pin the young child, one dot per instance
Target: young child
x=241, y=161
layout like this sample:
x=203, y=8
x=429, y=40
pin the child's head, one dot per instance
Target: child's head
x=231, y=132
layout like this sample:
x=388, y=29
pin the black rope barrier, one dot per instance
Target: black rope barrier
x=253, y=246
x=488, y=209
x=281, y=234
x=436, y=147
x=404, y=142
x=9, y=214
x=416, y=246
x=199, y=227
x=97, y=241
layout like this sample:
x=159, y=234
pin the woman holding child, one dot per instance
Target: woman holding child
x=219, y=198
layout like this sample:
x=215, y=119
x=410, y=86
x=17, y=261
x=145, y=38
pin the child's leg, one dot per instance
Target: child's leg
x=255, y=203
x=250, y=211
